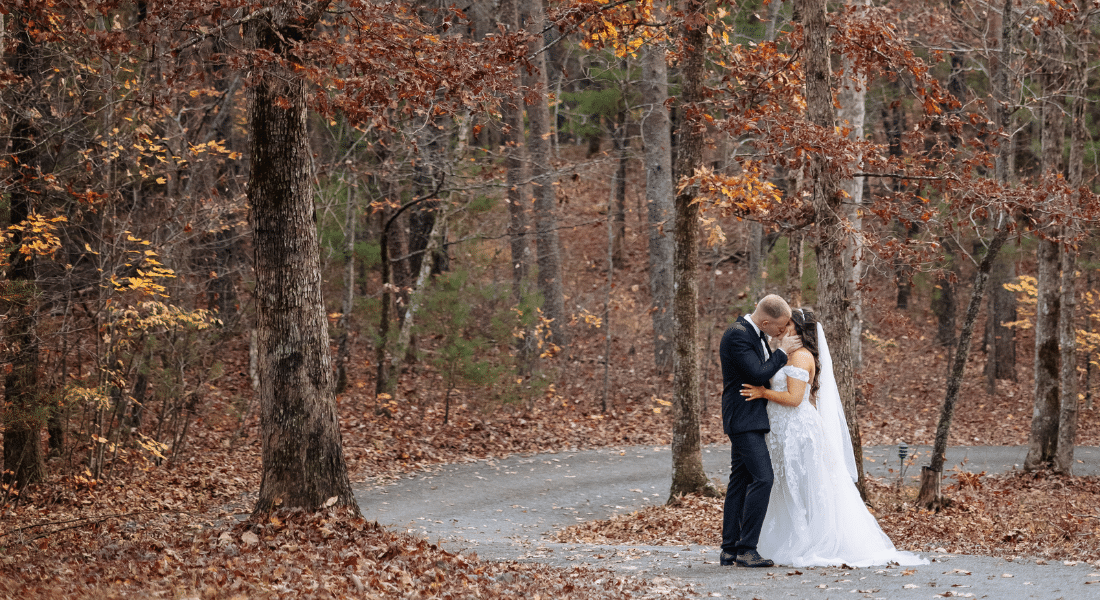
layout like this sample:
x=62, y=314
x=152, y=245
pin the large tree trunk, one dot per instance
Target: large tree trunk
x=23, y=416
x=833, y=300
x=1067, y=334
x=303, y=458
x=1067, y=330
x=852, y=111
x=1043, y=438
x=518, y=227
x=547, y=243
x=657, y=137
x=688, y=475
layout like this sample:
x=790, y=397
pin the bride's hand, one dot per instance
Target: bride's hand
x=752, y=392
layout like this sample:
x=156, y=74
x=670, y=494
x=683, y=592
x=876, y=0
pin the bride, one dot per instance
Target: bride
x=815, y=515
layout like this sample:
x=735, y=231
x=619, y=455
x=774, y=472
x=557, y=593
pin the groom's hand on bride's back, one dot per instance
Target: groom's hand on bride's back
x=789, y=343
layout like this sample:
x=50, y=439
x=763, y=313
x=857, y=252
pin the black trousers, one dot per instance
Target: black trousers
x=748, y=492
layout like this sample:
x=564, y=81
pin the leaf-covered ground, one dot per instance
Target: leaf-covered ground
x=1010, y=516
x=326, y=555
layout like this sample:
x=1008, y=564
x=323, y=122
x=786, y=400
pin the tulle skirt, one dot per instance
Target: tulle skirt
x=815, y=515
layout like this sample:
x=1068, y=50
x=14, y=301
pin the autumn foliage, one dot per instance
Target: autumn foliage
x=137, y=237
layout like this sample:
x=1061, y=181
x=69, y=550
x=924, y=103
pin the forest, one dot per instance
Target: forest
x=257, y=253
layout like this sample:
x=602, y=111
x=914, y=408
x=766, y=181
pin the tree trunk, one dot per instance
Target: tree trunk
x=1043, y=438
x=1090, y=284
x=756, y=261
x=422, y=217
x=944, y=300
x=384, y=382
x=1067, y=334
x=657, y=137
x=302, y=456
x=794, y=267
x=1067, y=331
x=688, y=476
x=416, y=294
x=833, y=300
x=903, y=273
x=930, y=495
x=1000, y=340
x=518, y=226
x=547, y=243
x=621, y=145
x=343, y=356
x=852, y=110
x=23, y=415
x=894, y=125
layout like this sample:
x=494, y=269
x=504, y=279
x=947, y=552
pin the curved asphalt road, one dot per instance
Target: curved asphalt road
x=505, y=509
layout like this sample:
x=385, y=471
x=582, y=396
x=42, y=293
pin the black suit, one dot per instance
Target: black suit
x=746, y=423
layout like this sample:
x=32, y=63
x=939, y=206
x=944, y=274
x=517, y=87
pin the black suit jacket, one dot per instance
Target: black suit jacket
x=743, y=362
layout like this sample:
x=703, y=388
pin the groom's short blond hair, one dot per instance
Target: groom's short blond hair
x=774, y=307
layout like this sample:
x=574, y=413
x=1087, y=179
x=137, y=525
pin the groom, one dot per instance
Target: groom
x=746, y=358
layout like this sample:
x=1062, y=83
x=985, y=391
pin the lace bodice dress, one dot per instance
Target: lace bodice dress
x=815, y=515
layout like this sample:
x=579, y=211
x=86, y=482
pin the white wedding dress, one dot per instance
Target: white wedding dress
x=815, y=516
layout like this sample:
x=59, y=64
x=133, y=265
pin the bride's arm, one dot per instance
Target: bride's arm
x=791, y=397
x=796, y=388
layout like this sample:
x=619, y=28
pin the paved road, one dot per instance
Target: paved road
x=504, y=509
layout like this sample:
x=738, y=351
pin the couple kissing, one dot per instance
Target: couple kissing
x=791, y=494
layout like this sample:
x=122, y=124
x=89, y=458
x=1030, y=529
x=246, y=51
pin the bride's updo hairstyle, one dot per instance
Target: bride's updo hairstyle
x=805, y=325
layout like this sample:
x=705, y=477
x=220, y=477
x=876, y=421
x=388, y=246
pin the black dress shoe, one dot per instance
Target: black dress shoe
x=752, y=558
x=727, y=559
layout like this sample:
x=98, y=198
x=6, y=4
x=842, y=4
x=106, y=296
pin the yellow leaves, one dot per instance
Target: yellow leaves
x=747, y=192
x=608, y=30
x=84, y=395
x=149, y=271
x=1028, y=288
x=152, y=446
x=589, y=319
x=38, y=235
x=153, y=316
